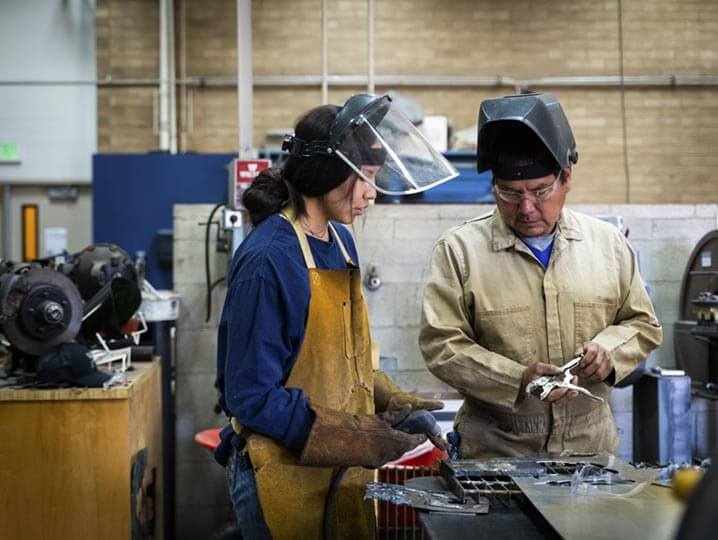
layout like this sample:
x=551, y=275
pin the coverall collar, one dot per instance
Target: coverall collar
x=502, y=237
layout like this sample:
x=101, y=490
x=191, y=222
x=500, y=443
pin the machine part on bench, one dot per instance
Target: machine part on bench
x=97, y=265
x=41, y=308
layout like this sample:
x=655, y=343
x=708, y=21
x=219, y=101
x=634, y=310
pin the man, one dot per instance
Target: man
x=515, y=293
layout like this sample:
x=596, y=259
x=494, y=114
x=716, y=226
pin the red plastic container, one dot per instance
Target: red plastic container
x=209, y=438
x=400, y=522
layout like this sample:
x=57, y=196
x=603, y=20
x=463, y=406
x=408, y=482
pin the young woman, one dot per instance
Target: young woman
x=294, y=352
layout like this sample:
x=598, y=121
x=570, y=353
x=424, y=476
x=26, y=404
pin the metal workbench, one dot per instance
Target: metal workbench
x=555, y=511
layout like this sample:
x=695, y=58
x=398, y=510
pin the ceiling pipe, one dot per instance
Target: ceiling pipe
x=164, y=133
x=325, y=55
x=171, y=78
x=244, y=81
x=167, y=83
x=370, y=46
x=641, y=81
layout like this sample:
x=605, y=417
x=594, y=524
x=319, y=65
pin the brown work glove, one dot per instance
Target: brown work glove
x=422, y=421
x=352, y=440
x=389, y=395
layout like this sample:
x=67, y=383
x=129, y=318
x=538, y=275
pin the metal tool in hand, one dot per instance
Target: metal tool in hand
x=543, y=386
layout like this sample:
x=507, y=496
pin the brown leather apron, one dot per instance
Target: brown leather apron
x=334, y=370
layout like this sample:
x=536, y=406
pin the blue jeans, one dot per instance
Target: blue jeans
x=245, y=499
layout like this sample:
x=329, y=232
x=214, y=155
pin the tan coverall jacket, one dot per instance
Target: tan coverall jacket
x=490, y=309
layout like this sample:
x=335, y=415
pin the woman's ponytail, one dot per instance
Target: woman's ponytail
x=266, y=195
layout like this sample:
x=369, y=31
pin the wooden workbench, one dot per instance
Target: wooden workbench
x=67, y=457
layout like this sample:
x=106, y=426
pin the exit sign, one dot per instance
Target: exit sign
x=8, y=153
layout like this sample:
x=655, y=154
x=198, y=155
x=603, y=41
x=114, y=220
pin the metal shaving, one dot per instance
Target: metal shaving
x=435, y=501
x=497, y=467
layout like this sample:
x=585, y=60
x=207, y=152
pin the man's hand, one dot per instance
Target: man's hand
x=540, y=369
x=596, y=365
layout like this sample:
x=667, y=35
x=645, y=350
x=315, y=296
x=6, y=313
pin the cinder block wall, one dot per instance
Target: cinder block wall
x=397, y=239
x=202, y=500
x=671, y=132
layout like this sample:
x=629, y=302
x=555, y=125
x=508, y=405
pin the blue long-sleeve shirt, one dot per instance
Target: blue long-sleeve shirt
x=262, y=328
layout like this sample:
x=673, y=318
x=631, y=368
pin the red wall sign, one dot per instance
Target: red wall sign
x=246, y=170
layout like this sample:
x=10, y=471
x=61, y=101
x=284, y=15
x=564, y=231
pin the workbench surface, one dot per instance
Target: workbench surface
x=589, y=513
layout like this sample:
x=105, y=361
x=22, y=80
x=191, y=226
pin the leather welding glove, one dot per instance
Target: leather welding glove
x=423, y=422
x=389, y=395
x=354, y=440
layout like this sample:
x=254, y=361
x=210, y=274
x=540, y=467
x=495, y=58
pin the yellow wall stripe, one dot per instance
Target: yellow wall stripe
x=30, y=248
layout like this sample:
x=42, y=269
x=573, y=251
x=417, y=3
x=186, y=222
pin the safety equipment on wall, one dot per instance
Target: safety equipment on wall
x=542, y=114
x=380, y=145
x=40, y=308
x=70, y=364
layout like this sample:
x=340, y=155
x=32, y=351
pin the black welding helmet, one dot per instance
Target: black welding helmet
x=512, y=117
x=381, y=145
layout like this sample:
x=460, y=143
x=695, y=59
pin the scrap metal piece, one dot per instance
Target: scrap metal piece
x=543, y=386
x=434, y=501
x=496, y=467
x=471, y=480
x=502, y=477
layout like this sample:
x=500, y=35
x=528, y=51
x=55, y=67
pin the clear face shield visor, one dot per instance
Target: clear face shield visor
x=385, y=149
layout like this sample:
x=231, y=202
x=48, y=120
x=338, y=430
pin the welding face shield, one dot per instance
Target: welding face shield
x=381, y=146
x=542, y=115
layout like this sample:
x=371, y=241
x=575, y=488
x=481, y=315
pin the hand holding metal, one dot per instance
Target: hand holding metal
x=543, y=386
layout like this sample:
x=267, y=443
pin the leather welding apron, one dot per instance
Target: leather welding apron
x=334, y=370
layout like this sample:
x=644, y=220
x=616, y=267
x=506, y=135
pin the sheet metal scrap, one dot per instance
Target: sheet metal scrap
x=496, y=467
x=471, y=480
x=434, y=501
x=493, y=478
x=542, y=386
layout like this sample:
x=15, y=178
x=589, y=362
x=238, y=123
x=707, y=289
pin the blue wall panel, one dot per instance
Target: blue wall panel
x=133, y=194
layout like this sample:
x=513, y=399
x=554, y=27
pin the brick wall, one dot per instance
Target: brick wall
x=671, y=131
x=127, y=34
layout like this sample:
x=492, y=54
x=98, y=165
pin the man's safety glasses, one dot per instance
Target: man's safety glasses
x=534, y=195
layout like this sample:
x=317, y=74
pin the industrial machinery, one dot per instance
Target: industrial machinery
x=39, y=307
x=696, y=332
x=97, y=265
x=57, y=300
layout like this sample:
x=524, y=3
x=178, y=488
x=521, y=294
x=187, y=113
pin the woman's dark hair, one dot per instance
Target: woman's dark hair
x=310, y=177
